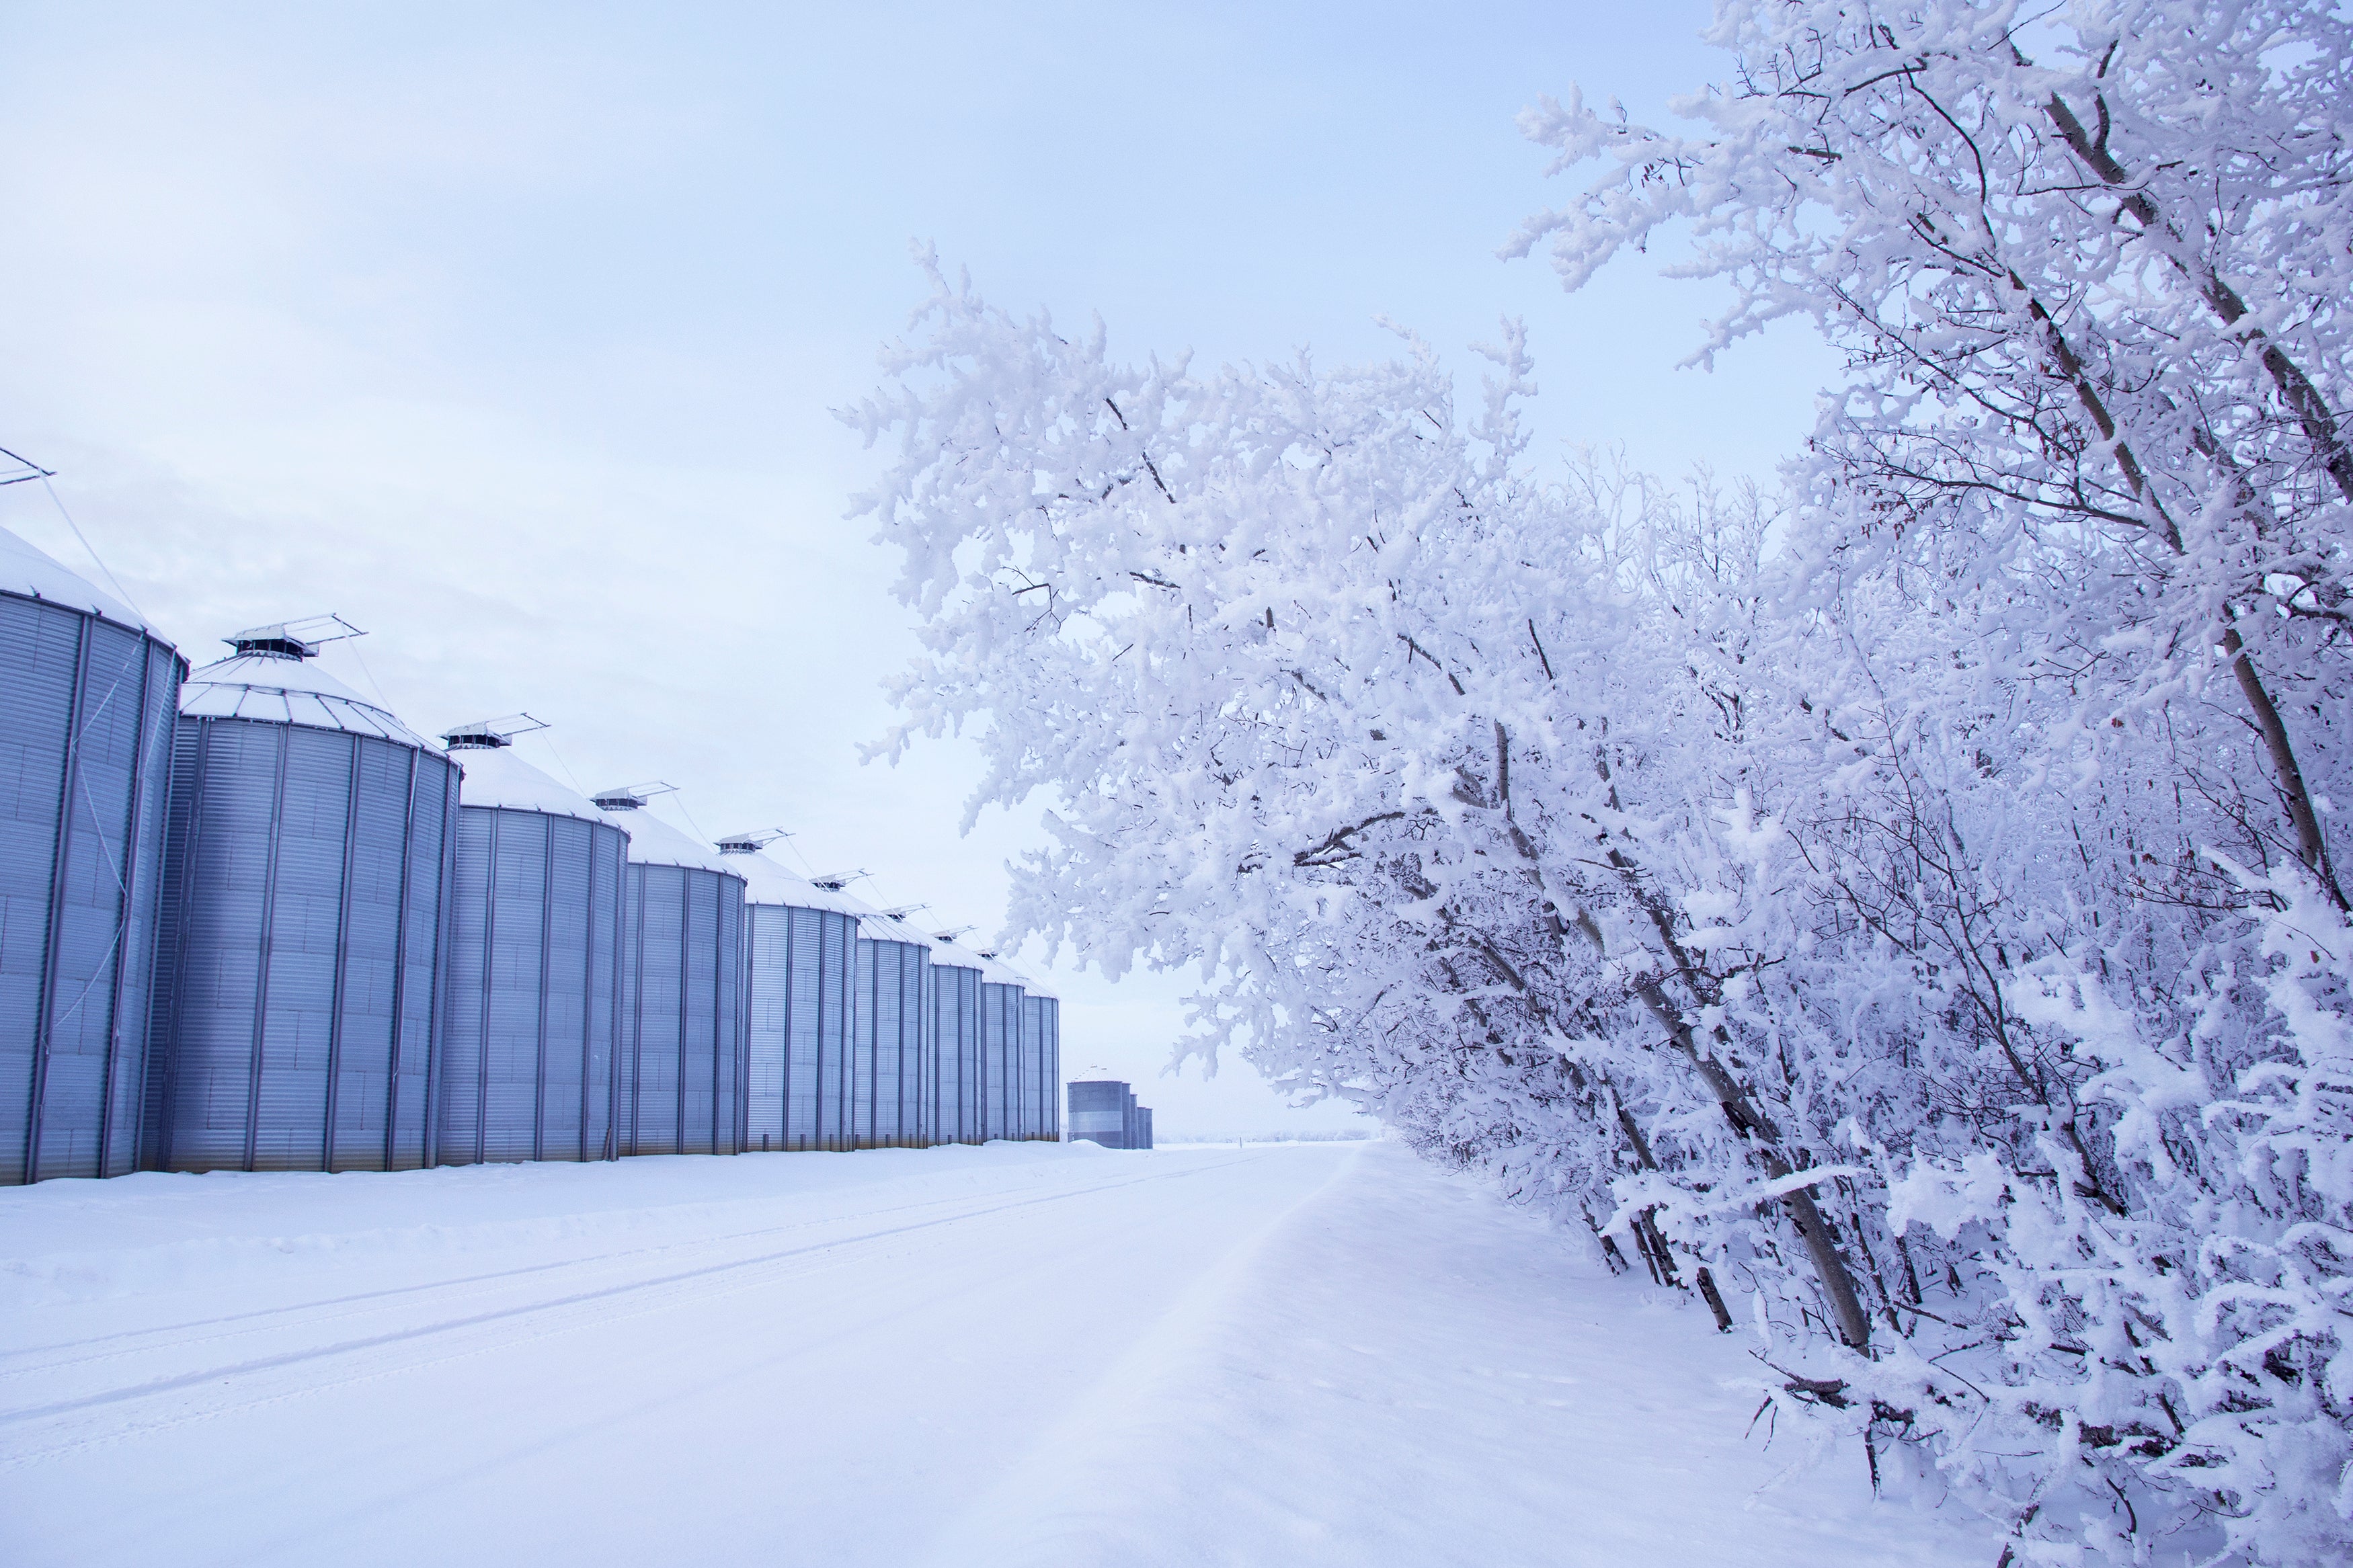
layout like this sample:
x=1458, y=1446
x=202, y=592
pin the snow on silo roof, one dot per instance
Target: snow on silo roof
x=267, y=678
x=765, y=882
x=31, y=574
x=495, y=776
x=652, y=841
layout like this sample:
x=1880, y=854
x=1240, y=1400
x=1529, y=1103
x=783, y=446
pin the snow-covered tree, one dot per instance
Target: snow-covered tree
x=1902, y=910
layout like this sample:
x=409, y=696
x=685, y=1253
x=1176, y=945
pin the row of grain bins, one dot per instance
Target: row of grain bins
x=250, y=921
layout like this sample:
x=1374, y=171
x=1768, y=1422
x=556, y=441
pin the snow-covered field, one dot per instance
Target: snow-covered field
x=1016, y=1354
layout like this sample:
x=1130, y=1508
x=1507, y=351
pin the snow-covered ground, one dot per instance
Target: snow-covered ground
x=1319, y=1353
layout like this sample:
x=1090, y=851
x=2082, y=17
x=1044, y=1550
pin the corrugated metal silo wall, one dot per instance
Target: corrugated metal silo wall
x=85, y=774
x=1000, y=1060
x=529, y=1044
x=892, y=1033
x=798, y=967
x=1099, y=1112
x=298, y=1004
x=1033, y=1066
x=1041, y=1059
x=1145, y=1112
x=1054, y=1072
x=955, y=1035
x=681, y=1012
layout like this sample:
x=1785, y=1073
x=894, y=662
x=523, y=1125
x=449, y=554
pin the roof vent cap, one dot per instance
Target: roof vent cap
x=751, y=843
x=292, y=639
x=834, y=881
x=629, y=797
x=489, y=735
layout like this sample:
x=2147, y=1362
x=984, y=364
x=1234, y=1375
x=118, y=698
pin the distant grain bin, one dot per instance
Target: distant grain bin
x=1003, y=1025
x=530, y=1036
x=891, y=1034
x=85, y=770
x=800, y=964
x=1041, y=1063
x=1099, y=1112
x=1144, y=1112
x=956, y=973
x=679, y=1091
x=305, y=891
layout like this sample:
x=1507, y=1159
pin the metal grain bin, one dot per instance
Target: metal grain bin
x=530, y=1036
x=679, y=1091
x=1041, y=1063
x=1003, y=1025
x=800, y=964
x=891, y=1035
x=1099, y=1112
x=956, y=973
x=85, y=771
x=1131, y=1127
x=1144, y=1112
x=307, y=864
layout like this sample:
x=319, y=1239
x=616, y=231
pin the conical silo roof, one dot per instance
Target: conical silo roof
x=765, y=882
x=954, y=954
x=31, y=573
x=994, y=971
x=877, y=926
x=285, y=688
x=653, y=842
x=495, y=776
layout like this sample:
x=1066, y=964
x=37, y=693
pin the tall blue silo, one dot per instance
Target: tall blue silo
x=892, y=1034
x=530, y=1036
x=1003, y=1025
x=1041, y=1063
x=306, y=865
x=679, y=1091
x=800, y=958
x=955, y=1102
x=85, y=771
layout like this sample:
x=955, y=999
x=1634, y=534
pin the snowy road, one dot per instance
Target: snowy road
x=1315, y=1354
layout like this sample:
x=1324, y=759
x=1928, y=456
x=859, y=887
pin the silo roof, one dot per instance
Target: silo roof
x=951, y=954
x=765, y=882
x=30, y=572
x=495, y=776
x=287, y=691
x=653, y=842
x=876, y=926
x=997, y=972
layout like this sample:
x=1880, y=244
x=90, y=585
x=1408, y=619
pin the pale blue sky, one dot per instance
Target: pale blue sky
x=511, y=332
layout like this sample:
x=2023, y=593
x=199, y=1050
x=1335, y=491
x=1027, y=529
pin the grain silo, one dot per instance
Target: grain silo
x=86, y=734
x=1144, y=1113
x=680, y=1086
x=1099, y=1112
x=1003, y=1025
x=892, y=1034
x=1041, y=1063
x=306, y=863
x=956, y=974
x=531, y=1029
x=799, y=963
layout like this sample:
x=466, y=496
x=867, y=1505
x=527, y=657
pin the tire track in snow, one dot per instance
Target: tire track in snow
x=174, y=1336
x=717, y=1279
